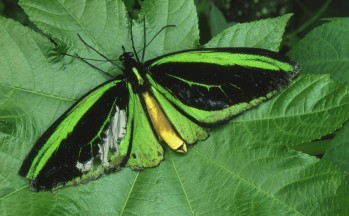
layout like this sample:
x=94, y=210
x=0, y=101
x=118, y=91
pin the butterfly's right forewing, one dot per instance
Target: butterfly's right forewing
x=213, y=85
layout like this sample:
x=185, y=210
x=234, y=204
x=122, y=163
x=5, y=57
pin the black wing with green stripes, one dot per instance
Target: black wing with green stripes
x=67, y=149
x=213, y=85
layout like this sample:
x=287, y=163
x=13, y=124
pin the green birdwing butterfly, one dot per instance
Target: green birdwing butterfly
x=172, y=99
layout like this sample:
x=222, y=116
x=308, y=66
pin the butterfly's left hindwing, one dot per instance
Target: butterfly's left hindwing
x=81, y=140
x=210, y=86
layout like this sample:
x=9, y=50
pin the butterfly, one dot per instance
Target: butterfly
x=171, y=100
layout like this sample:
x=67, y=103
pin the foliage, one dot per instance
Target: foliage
x=245, y=167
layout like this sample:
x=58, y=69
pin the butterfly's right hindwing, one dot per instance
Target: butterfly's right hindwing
x=80, y=143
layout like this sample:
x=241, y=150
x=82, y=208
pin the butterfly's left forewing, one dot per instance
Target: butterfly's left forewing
x=210, y=86
x=79, y=144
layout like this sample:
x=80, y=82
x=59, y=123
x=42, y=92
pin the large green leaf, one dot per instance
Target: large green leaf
x=265, y=34
x=164, y=12
x=103, y=24
x=243, y=168
x=300, y=114
x=325, y=50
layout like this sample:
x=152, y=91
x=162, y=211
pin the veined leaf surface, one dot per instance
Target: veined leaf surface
x=243, y=168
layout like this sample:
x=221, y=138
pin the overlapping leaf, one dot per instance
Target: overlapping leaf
x=265, y=34
x=325, y=50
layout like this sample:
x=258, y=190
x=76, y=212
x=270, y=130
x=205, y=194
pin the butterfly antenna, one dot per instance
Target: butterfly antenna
x=133, y=43
x=144, y=39
x=99, y=53
x=163, y=28
x=93, y=66
x=89, y=59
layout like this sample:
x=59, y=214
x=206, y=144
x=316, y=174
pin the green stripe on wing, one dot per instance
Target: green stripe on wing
x=209, y=118
x=226, y=58
x=65, y=127
x=213, y=85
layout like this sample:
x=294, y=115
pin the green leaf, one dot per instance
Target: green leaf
x=165, y=12
x=339, y=150
x=325, y=50
x=317, y=147
x=102, y=24
x=217, y=21
x=265, y=34
x=105, y=26
x=62, y=20
x=312, y=107
x=243, y=168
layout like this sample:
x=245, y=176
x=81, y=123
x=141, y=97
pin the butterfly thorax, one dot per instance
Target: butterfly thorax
x=134, y=72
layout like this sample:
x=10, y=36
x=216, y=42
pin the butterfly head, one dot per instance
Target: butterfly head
x=125, y=56
x=127, y=59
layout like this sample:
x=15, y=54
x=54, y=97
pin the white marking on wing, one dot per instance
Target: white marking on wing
x=114, y=135
x=86, y=166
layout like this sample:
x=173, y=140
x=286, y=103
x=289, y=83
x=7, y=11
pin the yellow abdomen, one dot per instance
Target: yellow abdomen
x=162, y=126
